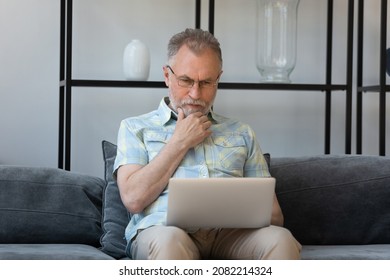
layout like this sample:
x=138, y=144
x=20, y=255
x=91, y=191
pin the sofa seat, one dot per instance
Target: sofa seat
x=346, y=252
x=51, y=252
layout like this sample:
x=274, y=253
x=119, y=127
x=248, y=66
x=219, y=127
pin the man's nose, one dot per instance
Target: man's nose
x=195, y=91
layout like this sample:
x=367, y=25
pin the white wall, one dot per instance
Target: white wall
x=29, y=62
x=287, y=123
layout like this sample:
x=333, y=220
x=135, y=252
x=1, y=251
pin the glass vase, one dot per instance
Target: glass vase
x=276, y=39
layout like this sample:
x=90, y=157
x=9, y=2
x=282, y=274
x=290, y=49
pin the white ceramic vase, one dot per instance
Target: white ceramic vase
x=136, y=61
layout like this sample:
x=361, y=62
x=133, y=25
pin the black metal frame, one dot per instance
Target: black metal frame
x=66, y=81
x=382, y=88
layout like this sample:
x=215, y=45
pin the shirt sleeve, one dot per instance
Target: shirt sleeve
x=130, y=146
x=256, y=164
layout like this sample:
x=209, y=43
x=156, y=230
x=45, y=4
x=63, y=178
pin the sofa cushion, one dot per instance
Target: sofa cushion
x=51, y=252
x=48, y=205
x=346, y=252
x=115, y=215
x=335, y=199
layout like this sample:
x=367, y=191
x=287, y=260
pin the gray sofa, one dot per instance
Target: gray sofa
x=337, y=206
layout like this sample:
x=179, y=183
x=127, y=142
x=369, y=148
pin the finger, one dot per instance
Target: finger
x=180, y=114
x=197, y=114
x=204, y=119
x=207, y=125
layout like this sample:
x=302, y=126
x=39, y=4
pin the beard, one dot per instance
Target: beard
x=204, y=107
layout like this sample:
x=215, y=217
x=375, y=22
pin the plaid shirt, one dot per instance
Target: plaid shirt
x=230, y=151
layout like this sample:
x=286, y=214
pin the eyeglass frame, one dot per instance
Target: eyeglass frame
x=191, y=82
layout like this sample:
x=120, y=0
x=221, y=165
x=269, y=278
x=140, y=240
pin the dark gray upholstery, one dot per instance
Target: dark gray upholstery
x=48, y=205
x=115, y=215
x=336, y=206
x=51, y=252
x=335, y=200
x=346, y=252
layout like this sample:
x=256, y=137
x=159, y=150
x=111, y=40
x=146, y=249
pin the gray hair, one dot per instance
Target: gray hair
x=196, y=40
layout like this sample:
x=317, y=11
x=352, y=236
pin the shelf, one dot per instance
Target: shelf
x=67, y=82
x=284, y=87
x=221, y=85
x=114, y=83
x=374, y=88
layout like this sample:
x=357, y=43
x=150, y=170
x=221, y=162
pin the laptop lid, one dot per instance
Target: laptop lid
x=220, y=202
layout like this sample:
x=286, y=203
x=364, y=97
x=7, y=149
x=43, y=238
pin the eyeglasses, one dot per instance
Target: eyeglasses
x=189, y=83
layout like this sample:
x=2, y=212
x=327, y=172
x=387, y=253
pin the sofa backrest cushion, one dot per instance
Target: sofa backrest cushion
x=335, y=199
x=115, y=215
x=49, y=205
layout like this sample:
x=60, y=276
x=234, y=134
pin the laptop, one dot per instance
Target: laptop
x=220, y=202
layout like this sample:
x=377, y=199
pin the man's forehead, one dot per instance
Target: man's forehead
x=188, y=63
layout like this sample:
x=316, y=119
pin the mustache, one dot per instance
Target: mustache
x=193, y=102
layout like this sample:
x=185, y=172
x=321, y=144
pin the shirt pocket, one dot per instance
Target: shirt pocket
x=154, y=142
x=231, y=152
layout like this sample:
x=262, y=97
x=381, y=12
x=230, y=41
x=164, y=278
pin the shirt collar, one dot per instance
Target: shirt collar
x=166, y=114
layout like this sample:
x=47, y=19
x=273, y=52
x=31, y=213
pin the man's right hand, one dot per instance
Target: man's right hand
x=141, y=185
x=191, y=130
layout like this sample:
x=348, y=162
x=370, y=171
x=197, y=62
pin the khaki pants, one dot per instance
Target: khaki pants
x=172, y=243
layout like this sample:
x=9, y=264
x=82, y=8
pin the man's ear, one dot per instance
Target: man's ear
x=166, y=75
x=220, y=74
